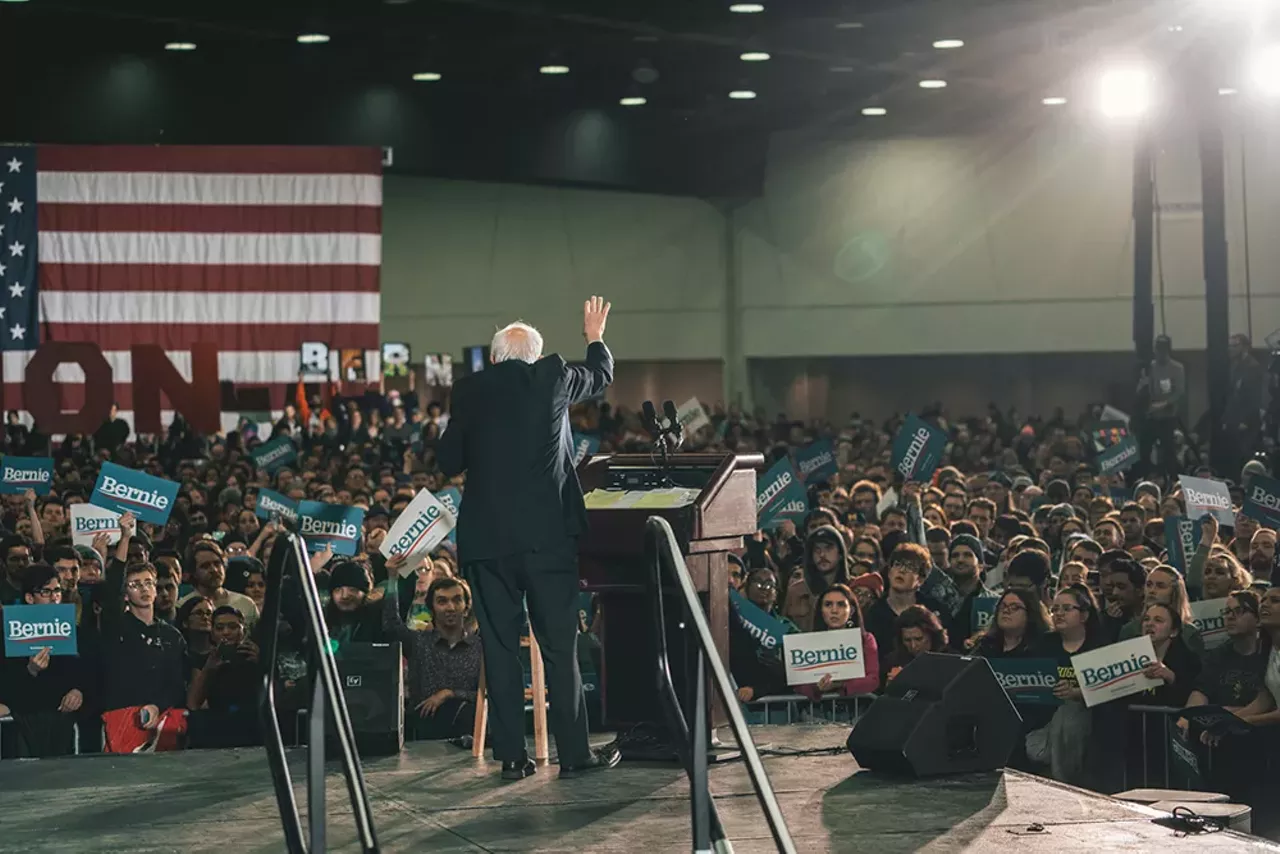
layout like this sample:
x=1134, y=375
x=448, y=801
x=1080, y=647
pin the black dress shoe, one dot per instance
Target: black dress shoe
x=601, y=758
x=518, y=769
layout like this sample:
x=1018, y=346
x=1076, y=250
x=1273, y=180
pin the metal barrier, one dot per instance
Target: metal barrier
x=802, y=709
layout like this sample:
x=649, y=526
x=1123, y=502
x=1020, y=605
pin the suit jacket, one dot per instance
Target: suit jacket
x=509, y=431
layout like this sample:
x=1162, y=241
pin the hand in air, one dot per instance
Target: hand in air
x=595, y=312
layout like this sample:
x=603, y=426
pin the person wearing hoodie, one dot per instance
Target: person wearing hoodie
x=826, y=561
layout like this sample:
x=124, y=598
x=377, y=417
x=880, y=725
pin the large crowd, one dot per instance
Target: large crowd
x=169, y=636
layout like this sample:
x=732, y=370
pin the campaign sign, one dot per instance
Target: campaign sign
x=917, y=449
x=1107, y=434
x=1203, y=496
x=272, y=455
x=1185, y=768
x=940, y=587
x=1216, y=720
x=984, y=613
x=149, y=498
x=18, y=474
x=1261, y=499
x=334, y=525
x=420, y=528
x=692, y=416
x=1210, y=618
x=273, y=505
x=817, y=461
x=451, y=498
x=88, y=520
x=780, y=495
x=1181, y=539
x=1118, y=457
x=583, y=447
x=767, y=629
x=811, y=655
x=31, y=628
x=1027, y=681
x=1115, y=671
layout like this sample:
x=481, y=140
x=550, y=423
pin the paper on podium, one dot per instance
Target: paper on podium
x=650, y=499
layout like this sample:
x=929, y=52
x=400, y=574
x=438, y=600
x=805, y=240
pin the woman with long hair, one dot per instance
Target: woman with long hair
x=1063, y=742
x=1166, y=587
x=837, y=609
x=1175, y=666
x=916, y=630
x=1020, y=621
x=1223, y=574
x=195, y=620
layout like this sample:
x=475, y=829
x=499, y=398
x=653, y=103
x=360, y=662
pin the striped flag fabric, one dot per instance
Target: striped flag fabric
x=254, y=249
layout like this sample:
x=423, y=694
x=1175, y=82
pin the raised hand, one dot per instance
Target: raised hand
x=595, y=312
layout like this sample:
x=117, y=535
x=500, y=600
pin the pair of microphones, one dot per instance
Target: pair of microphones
x=666, y=431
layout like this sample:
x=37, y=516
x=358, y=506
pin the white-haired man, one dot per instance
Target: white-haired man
x=519, y=524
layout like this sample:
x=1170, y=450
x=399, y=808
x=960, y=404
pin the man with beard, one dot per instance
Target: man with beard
x=1123, y=588
x=982, y=513
x=1262, y=554
x=967, y=564
x=349, y=615
x=825, y=560
x=210, y=574
x=866, y=496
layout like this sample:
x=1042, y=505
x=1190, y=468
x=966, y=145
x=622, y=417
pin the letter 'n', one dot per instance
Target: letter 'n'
x=198, y=400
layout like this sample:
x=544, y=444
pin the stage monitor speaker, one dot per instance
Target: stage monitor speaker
x=943, y=714
x=373, y=685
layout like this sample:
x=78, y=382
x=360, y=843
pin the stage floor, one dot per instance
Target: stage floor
x=435, y=797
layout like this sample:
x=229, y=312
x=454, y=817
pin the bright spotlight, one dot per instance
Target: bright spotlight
x=1126, y=93
x=1264, y=70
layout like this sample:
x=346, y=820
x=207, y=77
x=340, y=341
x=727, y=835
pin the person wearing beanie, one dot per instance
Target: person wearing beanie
x=1146, y=487
x=348, y=614
x=966, y=567
x=868, y=587
x=826, y=561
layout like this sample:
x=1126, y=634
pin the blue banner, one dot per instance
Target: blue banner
x=1181, y=539
x=273, y=505
x=334, y=525
x=761, y=625
x=275, y=454
x=1118, y=457
x=1261, y=499
x=984, y=613
x=917, y=449
x=1029, y=681
x=780, y=495
x=31, y=628
x=817, y=462
x=23, y=473
x=149, y=498
x=451, y=497
x=584, y=445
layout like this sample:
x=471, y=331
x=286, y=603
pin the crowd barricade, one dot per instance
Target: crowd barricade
x=75, y=736
x=797, y=708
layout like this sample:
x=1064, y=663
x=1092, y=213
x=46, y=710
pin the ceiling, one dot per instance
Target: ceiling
x=99, y=73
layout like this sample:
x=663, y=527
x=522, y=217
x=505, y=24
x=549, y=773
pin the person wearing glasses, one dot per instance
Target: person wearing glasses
x=42, y=691
x=142, y=657
x=758, y=671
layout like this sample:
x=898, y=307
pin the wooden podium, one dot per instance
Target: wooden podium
x=718, y=510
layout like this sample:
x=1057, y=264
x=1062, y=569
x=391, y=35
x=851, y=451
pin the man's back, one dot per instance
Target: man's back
x=509, y=431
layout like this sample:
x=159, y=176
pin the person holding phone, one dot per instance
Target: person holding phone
x=223, y=694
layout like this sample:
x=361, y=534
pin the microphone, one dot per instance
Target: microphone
x=649, y=418
x=674, y=430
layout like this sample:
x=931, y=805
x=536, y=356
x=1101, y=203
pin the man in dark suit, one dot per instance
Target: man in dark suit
x=518, y=528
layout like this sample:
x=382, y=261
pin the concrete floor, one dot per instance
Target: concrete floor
x=435, y=797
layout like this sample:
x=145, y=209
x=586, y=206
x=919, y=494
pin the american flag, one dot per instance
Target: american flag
x=255, y=249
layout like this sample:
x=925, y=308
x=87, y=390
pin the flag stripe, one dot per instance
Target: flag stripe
x=225, y=278
x=262, y=367
x=193, y=188
x=280, y=219
x=72, y=396
x=79, y=247
x=211, y=158
x=207, y=310
x=181, y=336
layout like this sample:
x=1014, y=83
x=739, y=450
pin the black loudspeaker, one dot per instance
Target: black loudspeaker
x=372, y=682
x=943, y=714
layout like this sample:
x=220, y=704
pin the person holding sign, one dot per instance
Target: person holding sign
x=1175, y=665
x=43, y=690
x=1021, y=620
x=510, y=434
x=1065, y=742
x=838, y=609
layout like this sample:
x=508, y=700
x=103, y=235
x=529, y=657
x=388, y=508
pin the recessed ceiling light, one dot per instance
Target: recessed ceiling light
x=633, y=102
x=849, y=25
x=742, y=95
x=874, y=111
x=554, y=69
x=426, y=76
x=747, y=8
x=175, y=45
x=312, y=38
x=933, y=84
x=948, y=44
x=755, y=56
x=1226, y=90
x=1053, y=101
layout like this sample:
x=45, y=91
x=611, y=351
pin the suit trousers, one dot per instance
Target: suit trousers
x=547, y=579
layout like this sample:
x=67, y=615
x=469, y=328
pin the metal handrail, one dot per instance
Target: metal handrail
x=662, y=550
x=289, y=556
